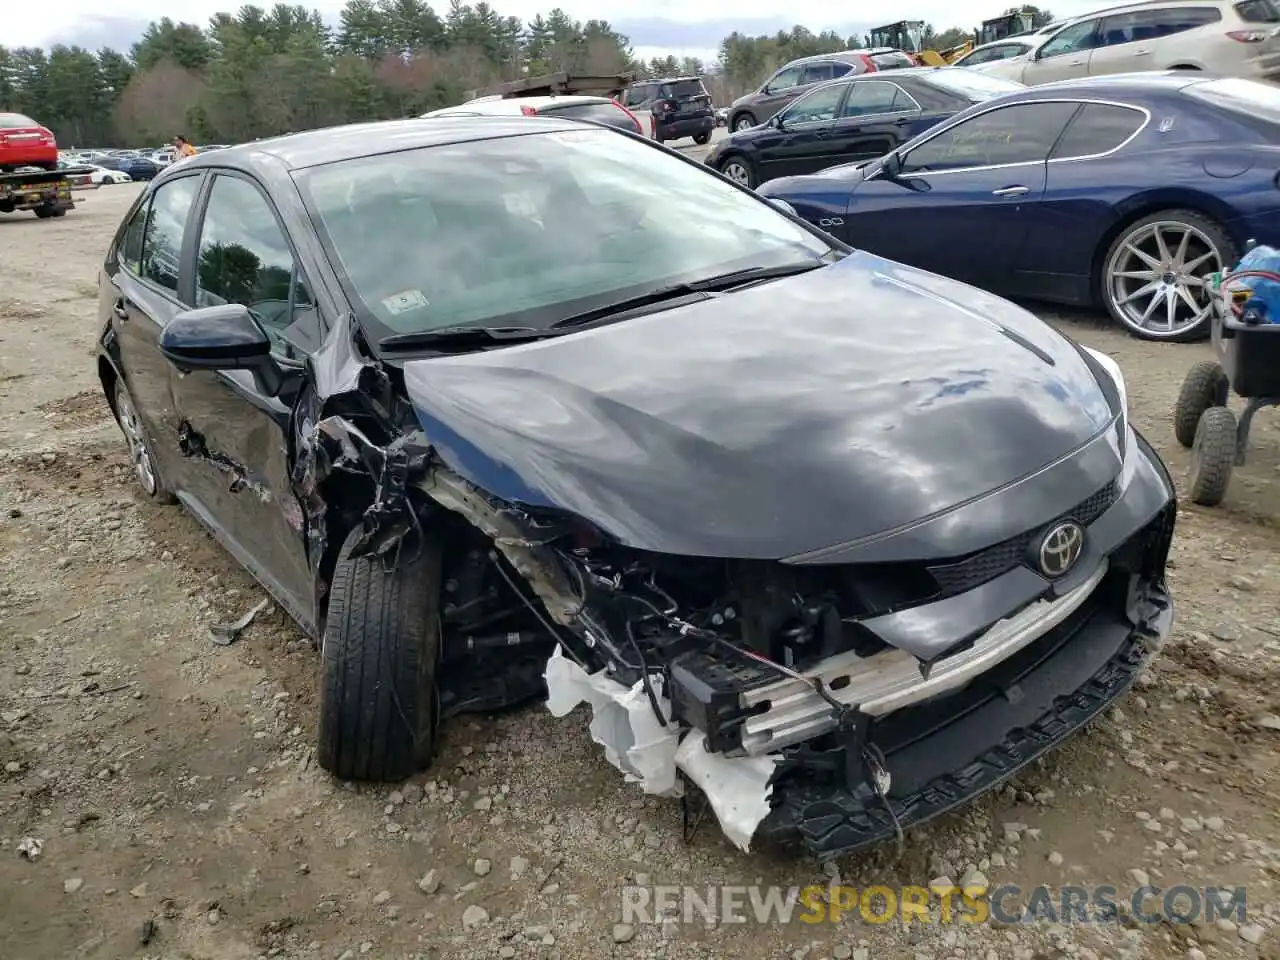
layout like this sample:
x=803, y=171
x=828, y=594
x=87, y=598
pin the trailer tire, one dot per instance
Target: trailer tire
x=44, y=213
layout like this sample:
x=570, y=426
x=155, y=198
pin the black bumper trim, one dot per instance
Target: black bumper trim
x=1098, y=663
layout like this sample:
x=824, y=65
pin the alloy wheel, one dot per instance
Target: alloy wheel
x=143, y=468
x=1157, y=279
x=737, y=171
x=744, y=123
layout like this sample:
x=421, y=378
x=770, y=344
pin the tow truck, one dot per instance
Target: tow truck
x=46, y=192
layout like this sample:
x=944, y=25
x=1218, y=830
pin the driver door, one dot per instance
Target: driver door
x=802, y=142
x=964, y=199
x=782, y=88
x=1064, y=57
x=234, y=438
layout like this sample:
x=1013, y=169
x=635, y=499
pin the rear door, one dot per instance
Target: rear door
x=144, y=298
x=966, y=197
x=1065, y=57
x=875, y=118
x=1149, y=39
x=783, y=87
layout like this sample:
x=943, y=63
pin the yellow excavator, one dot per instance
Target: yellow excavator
x=908, y=36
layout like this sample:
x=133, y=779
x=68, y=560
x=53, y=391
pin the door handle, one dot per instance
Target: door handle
x=1142, y=53
x=121, y=308
x=1075, y=63
x=1011, y=191
x=902, y=121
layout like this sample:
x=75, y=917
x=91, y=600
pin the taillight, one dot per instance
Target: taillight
x=868, y=65
x=634, y=118
x=1247, y=36
x=528, y=111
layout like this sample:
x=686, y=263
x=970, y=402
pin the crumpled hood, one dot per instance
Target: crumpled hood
x=769, y=422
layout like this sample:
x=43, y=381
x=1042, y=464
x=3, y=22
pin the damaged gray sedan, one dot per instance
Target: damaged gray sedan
x=514, y=409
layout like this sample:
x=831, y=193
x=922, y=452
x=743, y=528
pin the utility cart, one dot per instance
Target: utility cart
x=1246, y=344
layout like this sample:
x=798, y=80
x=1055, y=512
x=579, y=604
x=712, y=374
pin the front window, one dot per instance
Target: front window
x=1021, y=133
x=1073, y=39
x=783, y=80
x=531, y=229
x=821, y=104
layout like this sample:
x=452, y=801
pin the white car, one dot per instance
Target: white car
x=104, y=177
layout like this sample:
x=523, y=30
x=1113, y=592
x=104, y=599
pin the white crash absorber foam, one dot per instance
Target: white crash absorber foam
x=636, y=742
x=623, y=722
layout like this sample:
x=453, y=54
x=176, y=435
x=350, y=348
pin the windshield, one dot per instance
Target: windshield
x=1249, y=97
x=974, y=86
x=1258, y=11
x=15, y=121
x=531, y=229
x=892, y=61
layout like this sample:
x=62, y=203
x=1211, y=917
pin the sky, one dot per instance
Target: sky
x=667, y=27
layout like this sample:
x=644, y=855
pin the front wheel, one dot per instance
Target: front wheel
x=1155, y=275
x=143, y=461
x=378, y=702
x=739, y=170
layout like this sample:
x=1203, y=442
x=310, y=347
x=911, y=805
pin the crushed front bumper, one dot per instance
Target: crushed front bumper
x=944, y=752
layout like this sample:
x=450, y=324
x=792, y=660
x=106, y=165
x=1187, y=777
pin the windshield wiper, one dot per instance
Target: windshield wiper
x=461, y=336
x=724, y=281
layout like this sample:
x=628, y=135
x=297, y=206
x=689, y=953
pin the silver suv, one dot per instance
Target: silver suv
x=798, y=77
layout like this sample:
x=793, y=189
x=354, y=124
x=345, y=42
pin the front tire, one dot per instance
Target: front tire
x=379, y=703
x=1154, y=275
x=1205, y=386
x=740, y=170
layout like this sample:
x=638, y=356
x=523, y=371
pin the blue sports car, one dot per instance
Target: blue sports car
x=1125, y=191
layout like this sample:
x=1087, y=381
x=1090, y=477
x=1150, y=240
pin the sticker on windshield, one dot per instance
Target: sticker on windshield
x=404, y=301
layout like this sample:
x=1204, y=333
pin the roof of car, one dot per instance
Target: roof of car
x=1115, y=85
x=513, y=105
x=666, y=79
x=843, y=54
x=331, y=144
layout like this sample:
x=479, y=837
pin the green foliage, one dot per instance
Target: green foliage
x=260, y=72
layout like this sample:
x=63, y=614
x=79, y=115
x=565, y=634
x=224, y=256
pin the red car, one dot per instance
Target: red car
x=24, y=143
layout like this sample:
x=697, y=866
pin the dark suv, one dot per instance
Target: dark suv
x=680, y=107
x=800, y=76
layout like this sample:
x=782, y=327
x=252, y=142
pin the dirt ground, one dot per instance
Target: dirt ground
x=172, y=786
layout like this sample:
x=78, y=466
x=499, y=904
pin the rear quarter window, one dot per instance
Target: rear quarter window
x=1097, y=129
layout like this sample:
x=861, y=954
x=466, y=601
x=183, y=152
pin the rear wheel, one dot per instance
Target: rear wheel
x=379, y=703
x=740, y=170
x=1155, y=275
x=743, y=121
x=702, y=139
x=1205, y=386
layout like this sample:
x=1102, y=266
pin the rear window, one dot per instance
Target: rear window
x=597, y=112
x=1258, y=11
x=891, y=61
x=13, y=121
x=1249, y=97
x=970, y=84
x=681, y=89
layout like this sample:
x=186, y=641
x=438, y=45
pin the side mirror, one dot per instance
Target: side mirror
x=777, y=122
x=225, y=337
x=891, y=166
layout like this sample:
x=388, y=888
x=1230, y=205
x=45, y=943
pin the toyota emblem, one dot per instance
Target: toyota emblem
x=1061, y=548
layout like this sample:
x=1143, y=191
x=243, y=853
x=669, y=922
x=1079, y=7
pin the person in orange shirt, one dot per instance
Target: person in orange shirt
x=183, y=148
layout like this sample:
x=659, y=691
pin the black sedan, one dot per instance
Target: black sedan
x=856, y=118
x=503, y=408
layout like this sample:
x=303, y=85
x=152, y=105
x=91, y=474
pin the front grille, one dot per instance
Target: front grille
x=977, y=568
